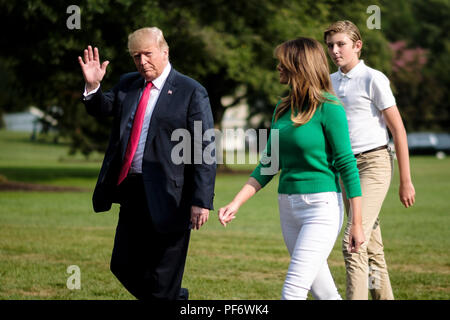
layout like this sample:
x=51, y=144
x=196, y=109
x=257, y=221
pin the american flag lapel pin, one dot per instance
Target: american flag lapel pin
x=169, y=92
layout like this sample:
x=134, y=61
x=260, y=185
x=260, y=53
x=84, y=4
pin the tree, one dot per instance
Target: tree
x=422, y=89
x=226, y=45
x=222, y=44
x=409, y=80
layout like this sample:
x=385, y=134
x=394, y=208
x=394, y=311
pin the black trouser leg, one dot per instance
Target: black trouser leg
x=149, y=264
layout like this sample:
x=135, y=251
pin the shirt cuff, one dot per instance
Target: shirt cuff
x=86, y=94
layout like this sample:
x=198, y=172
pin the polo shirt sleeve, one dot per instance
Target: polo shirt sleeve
x=381, y=92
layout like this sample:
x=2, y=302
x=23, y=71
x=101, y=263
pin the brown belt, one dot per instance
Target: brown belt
x=371, y=150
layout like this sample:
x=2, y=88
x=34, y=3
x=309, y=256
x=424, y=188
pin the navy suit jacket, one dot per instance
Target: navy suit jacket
x=171, y=189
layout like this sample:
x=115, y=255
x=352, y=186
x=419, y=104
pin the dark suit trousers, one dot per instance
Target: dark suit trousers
x=149, y=264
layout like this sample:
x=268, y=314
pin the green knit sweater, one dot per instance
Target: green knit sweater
x=311, y=156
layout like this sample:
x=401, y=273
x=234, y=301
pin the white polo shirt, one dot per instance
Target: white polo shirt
x=364, y=92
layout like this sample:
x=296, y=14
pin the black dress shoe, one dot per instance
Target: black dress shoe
x=184, y=294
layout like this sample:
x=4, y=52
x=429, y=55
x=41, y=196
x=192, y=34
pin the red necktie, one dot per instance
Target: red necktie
x=135, y=133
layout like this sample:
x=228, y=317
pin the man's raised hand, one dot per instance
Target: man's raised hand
x=93, y=71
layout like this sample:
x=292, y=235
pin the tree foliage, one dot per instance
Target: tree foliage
x=422, y=93
x=225, y=45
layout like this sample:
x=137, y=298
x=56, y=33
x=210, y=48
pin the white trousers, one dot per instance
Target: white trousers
x=310, y=224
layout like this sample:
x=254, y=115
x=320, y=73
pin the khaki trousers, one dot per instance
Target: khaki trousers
x=367, y=269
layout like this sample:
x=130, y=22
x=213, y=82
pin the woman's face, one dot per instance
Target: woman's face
x=283, y=74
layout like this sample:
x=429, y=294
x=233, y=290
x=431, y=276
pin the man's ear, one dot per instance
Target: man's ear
x=358, y=45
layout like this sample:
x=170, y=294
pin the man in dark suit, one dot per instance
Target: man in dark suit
x=160, y=199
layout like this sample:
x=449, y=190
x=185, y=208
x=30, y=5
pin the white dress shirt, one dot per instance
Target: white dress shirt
x=364, y=92
x=158, y=83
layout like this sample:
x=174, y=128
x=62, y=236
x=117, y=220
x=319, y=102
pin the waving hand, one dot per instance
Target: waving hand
x=93, y=71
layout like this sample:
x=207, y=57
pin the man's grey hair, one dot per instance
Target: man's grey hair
x=144, y=36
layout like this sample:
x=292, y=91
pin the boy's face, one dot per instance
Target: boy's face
x=343, y=51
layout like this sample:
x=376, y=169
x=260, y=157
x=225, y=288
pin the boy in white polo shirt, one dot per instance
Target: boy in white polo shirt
x=370, y=107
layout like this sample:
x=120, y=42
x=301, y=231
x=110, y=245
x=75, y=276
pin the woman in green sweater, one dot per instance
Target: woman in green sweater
x=313, y=150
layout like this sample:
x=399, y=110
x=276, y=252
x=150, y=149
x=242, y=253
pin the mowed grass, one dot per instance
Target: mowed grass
x=43, y=233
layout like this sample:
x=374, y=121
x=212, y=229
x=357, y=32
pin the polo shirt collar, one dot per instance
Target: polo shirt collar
x=356, y=69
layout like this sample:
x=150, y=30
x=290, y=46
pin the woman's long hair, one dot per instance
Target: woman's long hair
x=304, y=62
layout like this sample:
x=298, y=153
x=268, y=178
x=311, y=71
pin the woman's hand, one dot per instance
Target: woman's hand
x=356, y=238
x=228, y=213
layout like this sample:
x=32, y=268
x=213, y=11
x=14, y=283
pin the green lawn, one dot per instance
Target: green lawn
x=43, y=233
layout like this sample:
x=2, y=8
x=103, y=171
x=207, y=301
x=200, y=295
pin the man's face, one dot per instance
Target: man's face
x=150, y=60
x=342, y=50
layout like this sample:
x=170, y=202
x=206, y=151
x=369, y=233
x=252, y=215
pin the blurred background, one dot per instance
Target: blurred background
x=226, y=45
x=51, y=150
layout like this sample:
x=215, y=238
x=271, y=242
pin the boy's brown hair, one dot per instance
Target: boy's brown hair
x=345, y=26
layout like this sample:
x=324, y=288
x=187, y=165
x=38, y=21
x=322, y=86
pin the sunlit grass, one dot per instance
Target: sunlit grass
x=42, y=233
